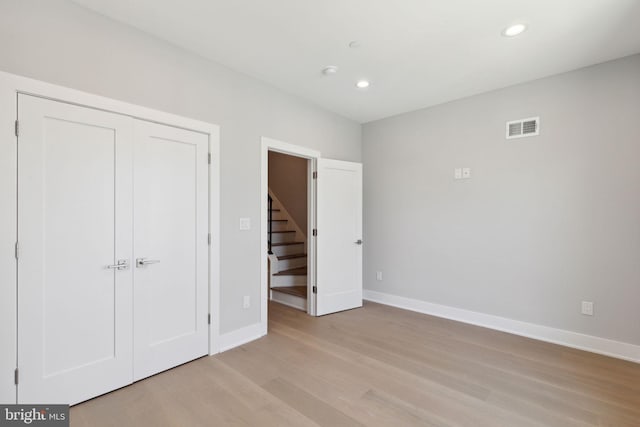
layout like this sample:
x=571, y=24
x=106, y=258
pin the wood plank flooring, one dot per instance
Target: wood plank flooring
x=379, y=366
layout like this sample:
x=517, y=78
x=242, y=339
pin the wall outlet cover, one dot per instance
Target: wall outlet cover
x=587, y=308
x=245, y=223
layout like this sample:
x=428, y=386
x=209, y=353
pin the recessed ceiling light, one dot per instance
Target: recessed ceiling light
x=329, y=70
x=514, y=30
x=363, y=84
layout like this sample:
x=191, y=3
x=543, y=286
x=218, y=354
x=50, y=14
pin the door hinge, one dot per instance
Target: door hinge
x=315, y=232
x=17, y=128
x=315, y=289
x=209, y=158
x=209, y=239
x=17, y=250
x=315, y=175
x=16, y=376
x=209, y=319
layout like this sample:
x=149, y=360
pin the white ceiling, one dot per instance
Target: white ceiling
x=416, y=53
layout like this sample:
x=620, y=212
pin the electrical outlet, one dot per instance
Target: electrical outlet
x=246, y=302
x=378, y=275
x=245, y=223
x=587, y=308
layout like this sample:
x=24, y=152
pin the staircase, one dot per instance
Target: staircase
x=288, y=260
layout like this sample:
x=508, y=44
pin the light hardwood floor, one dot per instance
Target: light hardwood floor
x=379, y=366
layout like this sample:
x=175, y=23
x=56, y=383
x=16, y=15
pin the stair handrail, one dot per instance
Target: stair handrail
x=270, y=202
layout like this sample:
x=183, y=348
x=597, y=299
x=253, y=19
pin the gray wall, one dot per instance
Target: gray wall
x=543, y=223
x=288, y=182
x=59, y=42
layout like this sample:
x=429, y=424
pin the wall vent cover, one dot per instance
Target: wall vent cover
x=523, y=127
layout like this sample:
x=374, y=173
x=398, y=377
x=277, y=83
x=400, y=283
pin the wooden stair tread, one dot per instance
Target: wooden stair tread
x=301, y=271
x=292, y=256
x=299, y=291
x=279, y=220
x=285, y=231
x=287, y=243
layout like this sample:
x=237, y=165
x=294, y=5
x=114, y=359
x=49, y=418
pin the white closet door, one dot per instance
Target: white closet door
x=74, y=220
x=339, y=241
x=170, y=247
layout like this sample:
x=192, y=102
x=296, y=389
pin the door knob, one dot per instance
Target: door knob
x=122, y=264
x=359, y=242
x=141, y=262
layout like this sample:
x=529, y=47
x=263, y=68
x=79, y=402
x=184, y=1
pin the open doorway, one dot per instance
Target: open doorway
x=287, y=225
x=332, y=244
x=288, y=221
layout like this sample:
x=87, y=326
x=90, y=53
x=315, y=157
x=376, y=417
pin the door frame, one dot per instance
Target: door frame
x=10, y=86
x=270, y=144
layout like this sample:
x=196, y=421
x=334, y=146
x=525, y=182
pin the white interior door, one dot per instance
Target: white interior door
x=74, y=224
x=339, y=240
x=170, y=246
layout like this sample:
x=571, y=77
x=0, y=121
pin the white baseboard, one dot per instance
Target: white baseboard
x=242, y=336
x=617, y=349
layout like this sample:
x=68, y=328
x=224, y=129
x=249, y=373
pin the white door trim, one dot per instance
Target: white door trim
x=8, y=231
x=269, y=144
x=10, y=86
x=214, y=248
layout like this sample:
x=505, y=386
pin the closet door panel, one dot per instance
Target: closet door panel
x=74, y=221
x=171, y=249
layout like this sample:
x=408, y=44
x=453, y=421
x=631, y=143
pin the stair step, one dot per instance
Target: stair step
x=283, y=236
x=292, y=256
x=287, y=243
x=287, y=248
x=302, y=271
x=279, y=225
x=299, y=291
x=293, y=259
x=274, y=210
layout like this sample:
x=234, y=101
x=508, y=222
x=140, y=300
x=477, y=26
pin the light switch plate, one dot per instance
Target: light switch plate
x=466, y=173
x=378, y=275
x=245, y=223
x=457, y=173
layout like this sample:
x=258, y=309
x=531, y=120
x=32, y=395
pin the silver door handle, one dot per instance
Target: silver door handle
x=359, y=242
x=141, y=262
x=122, y=264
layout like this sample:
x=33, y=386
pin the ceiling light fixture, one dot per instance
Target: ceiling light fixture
x=330, y=70
x=363, y=84
x=514, y=30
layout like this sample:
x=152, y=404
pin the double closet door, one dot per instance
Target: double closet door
x=113, y=252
